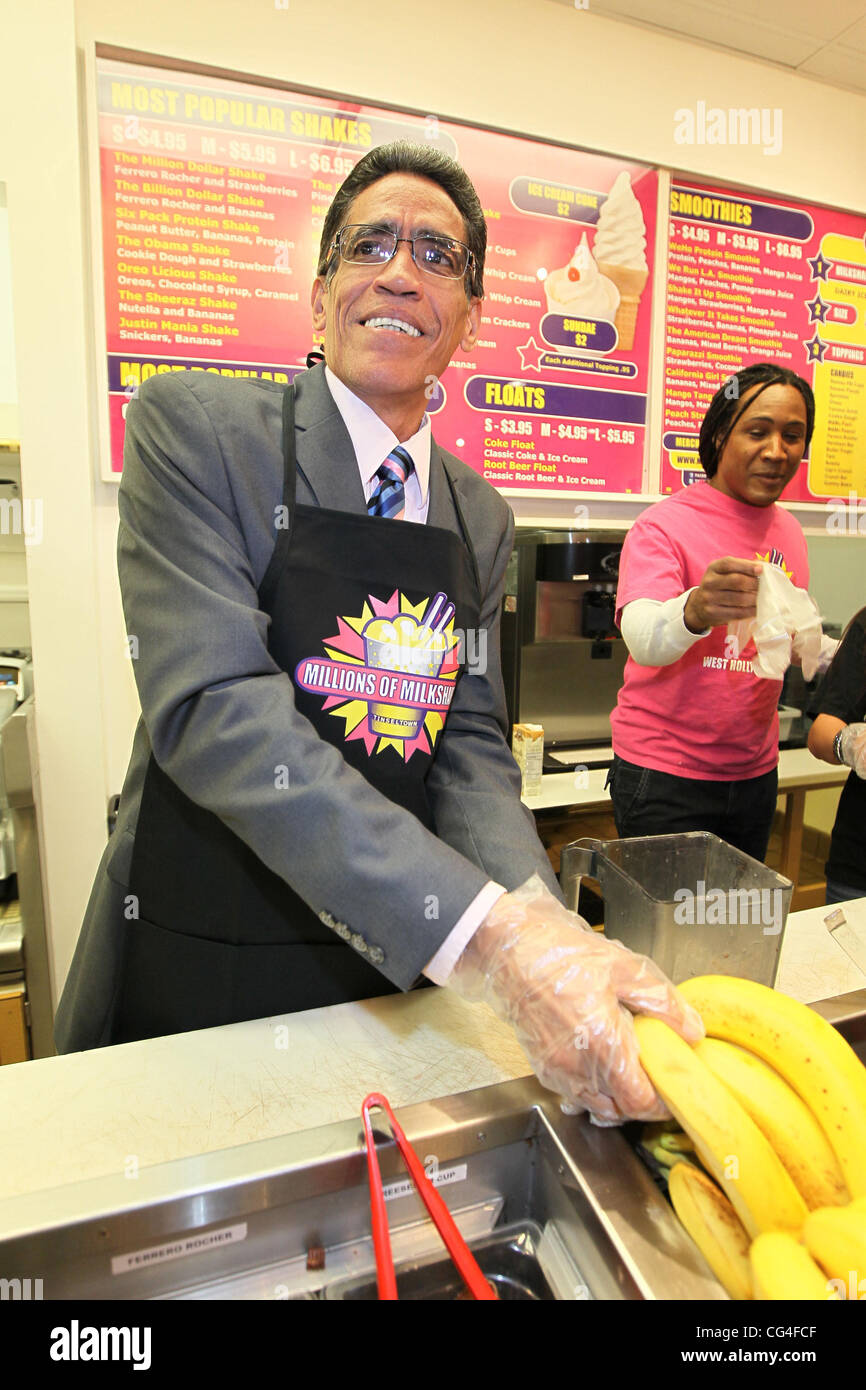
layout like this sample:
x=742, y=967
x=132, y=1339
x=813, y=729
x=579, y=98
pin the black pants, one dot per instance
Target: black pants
x=842, y=892
x=646, y=802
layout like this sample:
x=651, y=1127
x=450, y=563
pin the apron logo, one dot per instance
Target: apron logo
x=389, y=674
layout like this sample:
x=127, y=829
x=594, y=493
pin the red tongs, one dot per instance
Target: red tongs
x=439, y=1213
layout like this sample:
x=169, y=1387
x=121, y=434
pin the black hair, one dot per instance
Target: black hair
x=402, y=157
x=732, y=398
x=857, y=701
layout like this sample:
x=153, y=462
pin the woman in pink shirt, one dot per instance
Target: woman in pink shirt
x=695, y=731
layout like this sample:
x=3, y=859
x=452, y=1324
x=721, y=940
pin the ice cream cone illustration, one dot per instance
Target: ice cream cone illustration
x=629, y=299
x=414, y=649
x=578, y=289
x=620, y=253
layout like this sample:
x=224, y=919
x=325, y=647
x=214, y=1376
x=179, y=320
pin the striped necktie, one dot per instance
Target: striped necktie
x=389, y=497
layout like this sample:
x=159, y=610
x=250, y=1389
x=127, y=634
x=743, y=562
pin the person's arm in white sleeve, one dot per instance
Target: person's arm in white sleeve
x=655, y=632
x=829, y=647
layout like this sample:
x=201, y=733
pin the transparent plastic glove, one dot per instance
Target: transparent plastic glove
x=852, y=746
x=829, y=647
x=810, y=645
x=569, y=994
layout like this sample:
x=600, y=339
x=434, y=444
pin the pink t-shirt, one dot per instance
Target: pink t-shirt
x=706, y=715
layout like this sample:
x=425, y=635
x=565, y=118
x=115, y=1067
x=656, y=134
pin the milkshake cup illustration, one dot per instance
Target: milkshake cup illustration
x=579, y=290
x=416, y=650
x=620, y=252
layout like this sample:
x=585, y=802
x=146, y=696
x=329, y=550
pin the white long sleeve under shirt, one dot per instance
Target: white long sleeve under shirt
x=655, y=632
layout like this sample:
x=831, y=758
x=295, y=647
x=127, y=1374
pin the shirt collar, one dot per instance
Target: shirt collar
x=373, y=440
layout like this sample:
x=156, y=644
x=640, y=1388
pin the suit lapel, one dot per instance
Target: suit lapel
x=324, y=450
x=440, y=511
x=327, y=462
x=443, y=504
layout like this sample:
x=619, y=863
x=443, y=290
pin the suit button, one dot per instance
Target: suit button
x=359, y=943
x=342, y=930
x=376, y=954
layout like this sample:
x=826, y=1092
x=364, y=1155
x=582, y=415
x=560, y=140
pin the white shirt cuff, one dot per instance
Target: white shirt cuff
x=655, y=632
x=455, y=943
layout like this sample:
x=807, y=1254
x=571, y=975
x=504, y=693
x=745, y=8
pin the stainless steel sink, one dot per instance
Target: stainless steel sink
x=289, y=1218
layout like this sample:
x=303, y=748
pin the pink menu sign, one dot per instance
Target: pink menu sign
x=213, y=196
x=752, y=278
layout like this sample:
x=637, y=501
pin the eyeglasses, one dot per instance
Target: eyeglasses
x=438, y=255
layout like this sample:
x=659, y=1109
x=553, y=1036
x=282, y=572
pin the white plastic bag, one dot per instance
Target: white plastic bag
x=787, y=620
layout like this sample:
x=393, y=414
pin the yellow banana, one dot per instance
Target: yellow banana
x=678, y=1143
x=783, y=1118
x=653, y=1132
x=816, y=1060
x=714, y=1226
x=781, y=1268
x=727, y=1141
x=859, y=1204
x=665, y=1157
x=836, y=1237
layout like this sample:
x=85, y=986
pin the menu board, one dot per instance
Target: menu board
x=752, y=278
x=213, y=194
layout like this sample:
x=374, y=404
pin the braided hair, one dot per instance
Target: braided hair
x=732, y=399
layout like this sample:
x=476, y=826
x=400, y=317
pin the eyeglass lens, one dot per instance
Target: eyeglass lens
x=373, y=245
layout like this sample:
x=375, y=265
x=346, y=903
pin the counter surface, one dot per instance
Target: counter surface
x=585, y=788
x=116, y=1109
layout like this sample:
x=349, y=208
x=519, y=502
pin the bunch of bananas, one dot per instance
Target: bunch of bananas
x=767, y=1170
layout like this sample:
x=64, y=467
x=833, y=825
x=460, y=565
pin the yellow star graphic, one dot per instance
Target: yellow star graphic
x=768, y=560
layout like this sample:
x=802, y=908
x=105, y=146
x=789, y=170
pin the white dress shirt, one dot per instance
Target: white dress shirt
x=373, y=441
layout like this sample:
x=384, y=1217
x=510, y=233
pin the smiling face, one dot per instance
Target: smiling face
x=765, y=447
x=390, y=330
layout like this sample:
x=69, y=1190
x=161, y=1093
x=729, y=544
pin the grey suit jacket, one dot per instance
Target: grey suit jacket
x=203, y=478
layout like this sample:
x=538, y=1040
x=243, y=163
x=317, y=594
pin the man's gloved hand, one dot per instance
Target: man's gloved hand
x=852, y=746
x=569, y=995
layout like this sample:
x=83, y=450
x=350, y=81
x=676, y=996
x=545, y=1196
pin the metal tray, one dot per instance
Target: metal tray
x=508, y=1257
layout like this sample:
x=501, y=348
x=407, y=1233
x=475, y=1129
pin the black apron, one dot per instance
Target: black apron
x=219, y=938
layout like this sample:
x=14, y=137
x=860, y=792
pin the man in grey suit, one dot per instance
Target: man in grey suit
x=321, y=804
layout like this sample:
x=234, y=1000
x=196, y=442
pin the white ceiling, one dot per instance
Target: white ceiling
x=826, y=41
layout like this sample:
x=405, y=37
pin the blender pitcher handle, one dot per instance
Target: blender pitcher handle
x=577, y=860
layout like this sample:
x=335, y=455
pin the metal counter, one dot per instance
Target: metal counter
x=239, y=1223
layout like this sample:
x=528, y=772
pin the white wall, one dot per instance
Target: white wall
x=837, y=574
x=526, y=65
x=8, y=380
